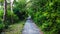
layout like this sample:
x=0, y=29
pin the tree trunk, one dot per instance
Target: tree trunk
x=11, y=4
x=5, y=11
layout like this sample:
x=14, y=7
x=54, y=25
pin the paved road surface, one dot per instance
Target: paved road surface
x=30, y=28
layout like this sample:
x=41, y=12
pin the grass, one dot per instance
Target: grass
x=15, y=28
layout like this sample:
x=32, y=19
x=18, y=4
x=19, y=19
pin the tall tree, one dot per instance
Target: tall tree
x=5, y=11
x=11, y=4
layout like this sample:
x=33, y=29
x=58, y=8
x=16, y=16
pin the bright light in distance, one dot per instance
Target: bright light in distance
x=27, y=0
x=11, y=0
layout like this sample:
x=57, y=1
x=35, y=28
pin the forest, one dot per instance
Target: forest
x=44, y=13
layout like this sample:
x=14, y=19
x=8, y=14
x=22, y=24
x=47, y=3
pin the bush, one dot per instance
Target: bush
x=46, y=16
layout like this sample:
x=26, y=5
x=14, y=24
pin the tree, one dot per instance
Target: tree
x=46, y=13
x=5, y=11
x=11, y=4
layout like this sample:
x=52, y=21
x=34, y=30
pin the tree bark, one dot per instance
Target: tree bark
x=11, y=4
x=5, y=11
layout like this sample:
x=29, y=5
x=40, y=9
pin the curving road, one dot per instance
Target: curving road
x=30, y=28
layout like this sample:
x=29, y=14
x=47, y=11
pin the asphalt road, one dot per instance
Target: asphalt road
x=30, y=28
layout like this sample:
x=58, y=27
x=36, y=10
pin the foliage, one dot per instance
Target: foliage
x=19, y=9
x=18, y=13
x=46, y=14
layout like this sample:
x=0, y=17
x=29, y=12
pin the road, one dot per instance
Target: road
x=30, y=28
